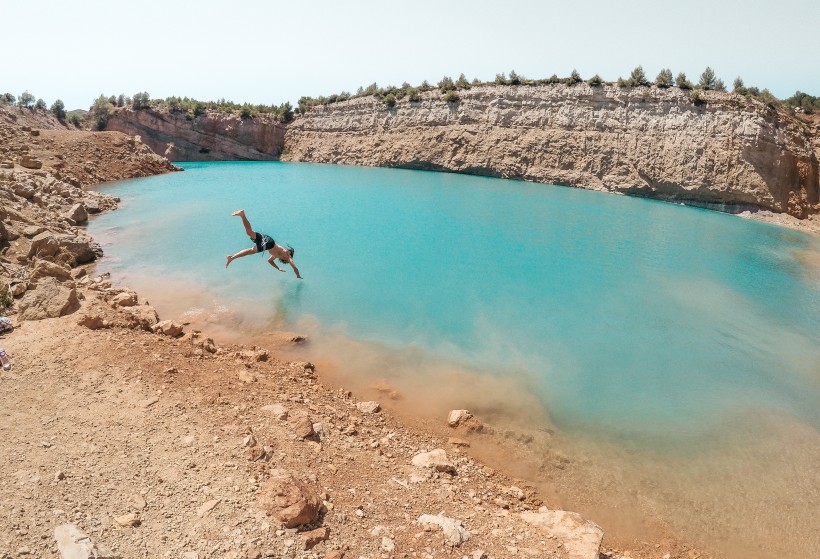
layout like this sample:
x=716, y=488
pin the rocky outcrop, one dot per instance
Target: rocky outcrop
x=212, y=136
x=728, y=152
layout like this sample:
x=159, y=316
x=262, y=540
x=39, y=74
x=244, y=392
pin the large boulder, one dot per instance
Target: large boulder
x=47, y=269
x=167, y=328
x=289, y=500
x=78, y=214
x=44, y=245
x=581, y=538
x=49, y=299
x=143, y=316
x=79, y=249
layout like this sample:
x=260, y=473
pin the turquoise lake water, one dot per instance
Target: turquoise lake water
x=673, y=353
x=632, y=317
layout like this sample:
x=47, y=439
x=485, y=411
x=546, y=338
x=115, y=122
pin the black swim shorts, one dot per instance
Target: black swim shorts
x=263, y=242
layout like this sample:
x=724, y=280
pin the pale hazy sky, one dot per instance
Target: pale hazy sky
x=269, y=51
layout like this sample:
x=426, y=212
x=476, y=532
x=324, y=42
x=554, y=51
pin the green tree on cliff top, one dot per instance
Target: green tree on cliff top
x=664, y=78
x=707, y=79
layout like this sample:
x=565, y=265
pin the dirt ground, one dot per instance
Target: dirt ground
x=101, y=419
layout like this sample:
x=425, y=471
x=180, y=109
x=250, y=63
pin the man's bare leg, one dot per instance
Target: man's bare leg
x=231, y=257
x=241, y=213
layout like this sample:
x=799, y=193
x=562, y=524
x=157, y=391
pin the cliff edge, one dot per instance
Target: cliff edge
x=212, y=136
x=725, y=152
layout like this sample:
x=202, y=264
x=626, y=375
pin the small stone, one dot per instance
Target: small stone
x=59, y=476
x=368, y=407
x=129, y=520
x=276, y=410
x=314, y=537
x=137, y=502
x=206, y=507
x=457, y=416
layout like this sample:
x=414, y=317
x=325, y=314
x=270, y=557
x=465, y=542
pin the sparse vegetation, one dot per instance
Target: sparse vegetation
x=595, y=81
x=451, y=96
x=809, y=104
x=101, y=111
x=26, y=100
x=446, y=84
x=739, y=87
x=58, y=108
x=573, y=78
x=6, y=299
x=707, y=79
x=682, y=82
x=664, y=78
x=140, y=101
x=637, y=78
x=696, y=98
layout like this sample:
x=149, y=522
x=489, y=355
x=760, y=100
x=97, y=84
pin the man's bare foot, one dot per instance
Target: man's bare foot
x=228, y=260
x=239, y=212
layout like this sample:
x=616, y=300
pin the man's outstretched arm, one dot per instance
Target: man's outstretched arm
x=272, y=262
x=295, y=269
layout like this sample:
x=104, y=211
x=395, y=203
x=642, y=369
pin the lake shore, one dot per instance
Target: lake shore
x=173, y=430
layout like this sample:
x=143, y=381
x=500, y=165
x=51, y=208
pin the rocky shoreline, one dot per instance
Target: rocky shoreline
x=156, y=441
x=129, y=437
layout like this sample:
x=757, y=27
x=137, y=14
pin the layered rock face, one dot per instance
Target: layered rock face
x=729, y=153
x=209, y=137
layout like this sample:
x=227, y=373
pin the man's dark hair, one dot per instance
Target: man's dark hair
x=290, y=251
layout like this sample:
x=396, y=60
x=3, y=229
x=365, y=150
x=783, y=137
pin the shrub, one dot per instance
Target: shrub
x=515, y=79
x=121, y=100
x=100, y=111
x=6, y=300
x=462, y=82
x=425, y=86
x=738, y=87
x=26, y=100
x=637, y=77
x=75, y=120
x=140, y=101
x=807, y=103
x=285, y=111
x=501, y=79
x=664, y=78
x=199, y=109
x=246, y=112
x=451, y=96
x=389, y=100
x=553, y=79
x=696, y=98
x=621, y=82
x=719, y=85
x=413, y=95
x=446, y=84
x=40, y=105
x=707, y=79
x=7, y=99
x=573, y=78
x=58, y=108
x=682, y=82
x=595, y=81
